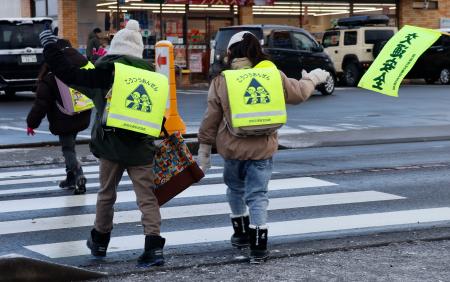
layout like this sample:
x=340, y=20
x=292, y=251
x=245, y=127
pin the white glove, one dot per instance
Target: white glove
x=317, y=76
x=204, y=157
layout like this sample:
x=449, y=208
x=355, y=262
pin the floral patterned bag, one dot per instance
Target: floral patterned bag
x=174, y=167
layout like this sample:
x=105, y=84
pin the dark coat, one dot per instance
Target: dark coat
x=47, y=95
x=93, y=42
x=45, y=105
x=125, y=147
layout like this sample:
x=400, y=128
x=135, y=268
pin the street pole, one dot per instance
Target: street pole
x=301, y=13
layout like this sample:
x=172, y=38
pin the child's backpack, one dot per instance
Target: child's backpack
x=73, y=101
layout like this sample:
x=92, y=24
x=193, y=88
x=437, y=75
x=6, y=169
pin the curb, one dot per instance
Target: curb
x=14, y=267
x=291, y=248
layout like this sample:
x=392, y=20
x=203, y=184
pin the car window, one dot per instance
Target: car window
x=224, y=35
x=331, y=39
x=374, y=36
x=303, y=42
x=350, y=38
x=14, y=36
x=282, y=39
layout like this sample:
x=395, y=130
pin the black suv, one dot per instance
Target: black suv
x=434, y=64
x=20, y=53
x=290, y=48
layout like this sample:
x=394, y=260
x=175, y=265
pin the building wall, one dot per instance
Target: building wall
x=423, y=17
x=68, y=20
x=10, y=9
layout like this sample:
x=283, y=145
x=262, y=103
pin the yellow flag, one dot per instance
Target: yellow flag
x=397, y=58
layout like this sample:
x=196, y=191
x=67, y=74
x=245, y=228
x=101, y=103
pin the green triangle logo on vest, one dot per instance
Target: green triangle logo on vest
x=256, y=94
x=139, y=100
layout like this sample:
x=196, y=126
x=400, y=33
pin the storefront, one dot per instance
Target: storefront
x=191, y=25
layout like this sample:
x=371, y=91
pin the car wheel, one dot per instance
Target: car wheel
x=10, y=93
x=444, y=76
x=328, y=87
x=351, y=74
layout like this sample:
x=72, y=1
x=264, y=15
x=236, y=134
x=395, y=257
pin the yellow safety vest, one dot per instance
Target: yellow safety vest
x=79, y=100
x=256, y=96
x=138, y=100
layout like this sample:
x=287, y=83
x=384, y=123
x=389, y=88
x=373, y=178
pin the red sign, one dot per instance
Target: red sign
x=161, y=60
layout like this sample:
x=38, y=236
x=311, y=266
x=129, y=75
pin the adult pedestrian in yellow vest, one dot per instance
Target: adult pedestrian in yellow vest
x=125, y=142
x=246, y=105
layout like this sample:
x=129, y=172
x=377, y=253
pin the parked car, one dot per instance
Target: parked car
x=20, y=53
x=355, y=43
x=434, y=64
x=290, y=48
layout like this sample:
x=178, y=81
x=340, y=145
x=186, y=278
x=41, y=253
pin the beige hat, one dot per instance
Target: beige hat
x=127, y=41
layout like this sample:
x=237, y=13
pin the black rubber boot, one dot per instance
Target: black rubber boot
x=69, y=182
x=258, y=244
x=80, y=183
x=240, y=238
x=153, y=252
x=98, y=243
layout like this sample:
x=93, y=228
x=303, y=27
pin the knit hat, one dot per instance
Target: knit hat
x=127, y=41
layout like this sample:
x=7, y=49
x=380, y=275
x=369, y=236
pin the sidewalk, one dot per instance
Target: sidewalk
x=403, y=256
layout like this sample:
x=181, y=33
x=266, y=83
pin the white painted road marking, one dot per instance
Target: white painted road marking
x=284, y=228
x=129, y=196
x=72, y=221
x=53, y=171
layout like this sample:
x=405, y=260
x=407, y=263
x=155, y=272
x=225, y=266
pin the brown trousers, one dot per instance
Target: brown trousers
x=142, y=178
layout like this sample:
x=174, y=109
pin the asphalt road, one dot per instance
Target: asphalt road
x=330, y=187
x=317, y=193
x=349, y=109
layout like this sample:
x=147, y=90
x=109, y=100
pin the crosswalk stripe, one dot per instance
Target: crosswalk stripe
x=284, y=228
x=54, y=171
x=72, y=221
x=58, y=178
x=129, y=196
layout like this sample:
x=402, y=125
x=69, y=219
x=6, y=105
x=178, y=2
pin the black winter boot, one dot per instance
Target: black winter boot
x=98, y=243
x=258, y=244
x=69, y=182
x=240, y=238
x=153, y=252
x=80, y=185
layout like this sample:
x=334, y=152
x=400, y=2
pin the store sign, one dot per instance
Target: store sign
x=195, y=62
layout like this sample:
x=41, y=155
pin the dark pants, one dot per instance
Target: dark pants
x=68, y=149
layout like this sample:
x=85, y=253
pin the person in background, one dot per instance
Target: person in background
x=248, y=159
x=93, y=43
x=117, y=149
x=65, y=126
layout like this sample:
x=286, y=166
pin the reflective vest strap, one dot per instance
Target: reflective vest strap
x=260, y=114
x=135, y=120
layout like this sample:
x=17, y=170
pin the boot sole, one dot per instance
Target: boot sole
x=80, y=186
x=95, y=254
x=240, y=246
x=158, y=262
x=258, y=260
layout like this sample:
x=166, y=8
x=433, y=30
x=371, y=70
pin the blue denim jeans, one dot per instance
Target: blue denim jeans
x=247, y=183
